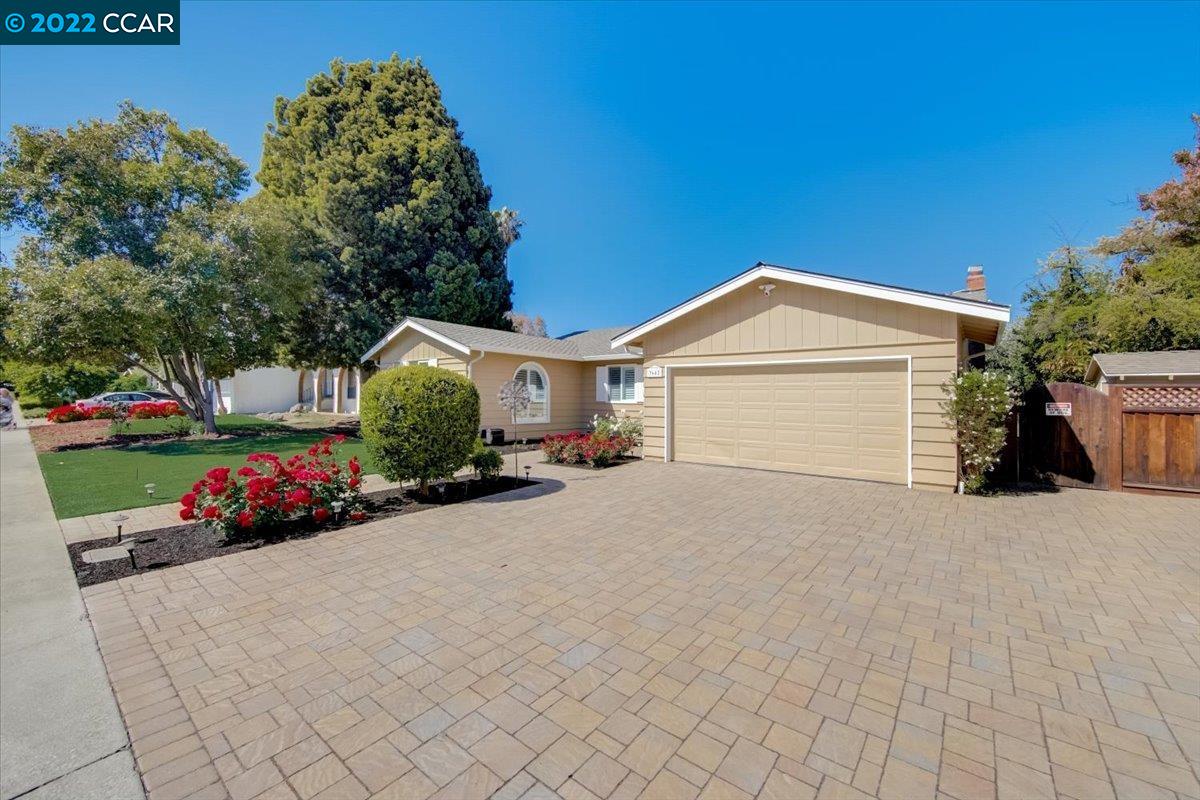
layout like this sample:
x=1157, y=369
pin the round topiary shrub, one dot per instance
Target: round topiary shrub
x=419, y=423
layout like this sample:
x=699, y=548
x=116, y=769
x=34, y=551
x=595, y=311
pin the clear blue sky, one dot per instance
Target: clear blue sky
x=656, y=149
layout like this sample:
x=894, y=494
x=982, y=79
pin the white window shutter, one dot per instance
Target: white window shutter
x=433, y=362
x=601, y=384
x=640, y=393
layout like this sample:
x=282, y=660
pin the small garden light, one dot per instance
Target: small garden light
x=337, y=506
x=120, y=519
x=527, y=468
x=150, y=487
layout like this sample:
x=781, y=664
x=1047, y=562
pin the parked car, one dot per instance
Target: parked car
x=122, y=398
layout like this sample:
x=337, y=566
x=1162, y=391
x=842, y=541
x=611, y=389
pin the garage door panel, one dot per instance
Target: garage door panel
x=839, y=419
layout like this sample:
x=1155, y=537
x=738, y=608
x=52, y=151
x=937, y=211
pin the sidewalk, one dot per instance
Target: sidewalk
x=60, y=733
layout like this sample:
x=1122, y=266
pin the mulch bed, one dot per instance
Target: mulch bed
x=183, y=544
x=69, y=435
x=616, y=462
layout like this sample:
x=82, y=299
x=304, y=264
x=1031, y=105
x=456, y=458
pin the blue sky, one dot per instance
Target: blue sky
x=656, y=149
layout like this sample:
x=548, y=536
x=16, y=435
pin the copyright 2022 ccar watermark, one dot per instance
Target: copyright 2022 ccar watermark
x=90, y=22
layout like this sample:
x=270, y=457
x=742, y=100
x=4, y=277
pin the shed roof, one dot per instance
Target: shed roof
x=1145, y=364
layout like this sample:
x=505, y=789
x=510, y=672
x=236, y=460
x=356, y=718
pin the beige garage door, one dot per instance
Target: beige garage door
x=847, y=420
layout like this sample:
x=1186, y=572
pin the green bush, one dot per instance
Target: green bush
x=976, y=406
x=419, y=423
x=55, y=384
x=129, y=382
x=486, y=461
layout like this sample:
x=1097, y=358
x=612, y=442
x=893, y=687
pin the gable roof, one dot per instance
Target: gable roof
x=581, y=346
x=1144, y=365
x=942, y=302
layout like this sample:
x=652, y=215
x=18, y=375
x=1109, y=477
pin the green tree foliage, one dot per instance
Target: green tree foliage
x=369, y=160
x=419, y=422
x=1138, y=290
x=52, y=384
x=140, y=254
x=976, y=405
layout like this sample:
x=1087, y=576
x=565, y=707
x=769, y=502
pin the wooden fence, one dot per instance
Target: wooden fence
x=1135, y=438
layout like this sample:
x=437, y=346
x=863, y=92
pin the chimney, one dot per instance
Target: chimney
x=975, y=280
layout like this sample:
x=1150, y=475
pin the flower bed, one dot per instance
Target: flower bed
x=73, y=413
x=593, y=449
x=269, y=491
x=155, y=409
x=196, y=541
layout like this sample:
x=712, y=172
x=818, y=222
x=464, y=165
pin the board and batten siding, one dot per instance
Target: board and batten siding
x=799, y=322
x=415, y=346
x=564, y=377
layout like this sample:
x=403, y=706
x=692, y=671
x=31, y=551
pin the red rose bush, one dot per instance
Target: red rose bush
x=269, y=490
x=155, y=409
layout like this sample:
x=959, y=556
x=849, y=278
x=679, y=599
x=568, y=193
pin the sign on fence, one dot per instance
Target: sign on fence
x=1058, y=409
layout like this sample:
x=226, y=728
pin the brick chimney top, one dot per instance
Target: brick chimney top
x=975, y=280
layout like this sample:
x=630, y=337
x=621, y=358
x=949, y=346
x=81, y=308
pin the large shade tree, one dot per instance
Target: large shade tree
x=370, y=163
x=138, y=253
x=1137, y=290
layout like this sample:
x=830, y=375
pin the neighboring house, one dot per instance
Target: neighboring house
x=253, y=391
x=792, y=370
x=570, y=379
x=1159, y=368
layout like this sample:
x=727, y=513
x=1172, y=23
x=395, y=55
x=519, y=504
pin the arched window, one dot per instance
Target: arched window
x=534, y=377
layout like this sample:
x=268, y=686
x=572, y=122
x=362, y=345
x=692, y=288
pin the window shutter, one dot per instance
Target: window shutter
x=432, y=362
x=601, y=385
x=639, y=382
x=522, y=377
x=627, y=384
x=614, y=384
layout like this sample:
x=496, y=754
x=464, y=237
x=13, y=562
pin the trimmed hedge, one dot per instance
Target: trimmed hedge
x=419, y=423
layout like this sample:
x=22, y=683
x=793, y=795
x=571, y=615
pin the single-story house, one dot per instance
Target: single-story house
x=1154, y=368
x=775, y=368
x=570, y=379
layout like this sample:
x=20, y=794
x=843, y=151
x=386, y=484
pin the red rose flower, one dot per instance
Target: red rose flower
x=218, y=474
x=212, y=512
x=320, y=514
x=271, y=499
x=247, y=472
x=245, y=519
x=358, y=516
x=289, y=507
x=187, y=512
x=354, y=482
x=189, y=499
x=217, y=488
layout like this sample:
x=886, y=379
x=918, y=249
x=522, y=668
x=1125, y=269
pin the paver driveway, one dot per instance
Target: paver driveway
x=680, y=631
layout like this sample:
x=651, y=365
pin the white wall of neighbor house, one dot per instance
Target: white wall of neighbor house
x=254, y=391
x=797, y=322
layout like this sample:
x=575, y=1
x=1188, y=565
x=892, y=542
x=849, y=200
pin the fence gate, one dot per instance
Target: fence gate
x=1066, y=429
x=1160, y=437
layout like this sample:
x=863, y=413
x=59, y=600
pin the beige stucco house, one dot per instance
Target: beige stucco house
x=570, y=379
x=775, y=368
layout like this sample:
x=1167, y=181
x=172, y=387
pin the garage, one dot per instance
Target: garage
x=845, y=419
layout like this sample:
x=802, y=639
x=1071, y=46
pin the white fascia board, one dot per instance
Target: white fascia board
x=408, y=324
x=614, y=357
x=907, y=296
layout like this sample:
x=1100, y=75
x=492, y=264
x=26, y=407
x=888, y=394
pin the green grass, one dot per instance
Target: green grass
x=226, y=423
x=96, y=480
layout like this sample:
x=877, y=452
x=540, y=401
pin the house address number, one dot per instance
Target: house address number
x=1058, y=409
x=654, y=372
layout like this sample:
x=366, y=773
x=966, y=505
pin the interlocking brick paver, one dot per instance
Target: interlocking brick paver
x=679, y=631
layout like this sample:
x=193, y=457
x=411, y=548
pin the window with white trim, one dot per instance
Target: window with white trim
x=534, y=378
x=622, y=384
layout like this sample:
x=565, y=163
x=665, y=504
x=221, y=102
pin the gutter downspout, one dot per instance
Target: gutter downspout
x=482, y=353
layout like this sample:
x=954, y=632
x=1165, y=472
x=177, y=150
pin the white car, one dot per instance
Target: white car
x=122, y=398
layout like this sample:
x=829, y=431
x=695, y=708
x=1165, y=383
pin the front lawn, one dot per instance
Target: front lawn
x=226, y=423
x=95, y=480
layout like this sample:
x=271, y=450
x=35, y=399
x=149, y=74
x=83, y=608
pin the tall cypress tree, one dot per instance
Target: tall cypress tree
x=371, y=163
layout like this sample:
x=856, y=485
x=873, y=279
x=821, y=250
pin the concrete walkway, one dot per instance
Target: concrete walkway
x=61, y=735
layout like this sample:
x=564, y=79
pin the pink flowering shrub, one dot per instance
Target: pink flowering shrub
x=269, y=490
x=586, y=448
